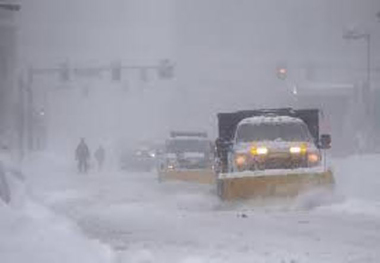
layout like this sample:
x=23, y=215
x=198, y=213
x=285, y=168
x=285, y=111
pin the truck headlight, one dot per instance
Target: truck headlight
x=295, y=150
x=298, y=149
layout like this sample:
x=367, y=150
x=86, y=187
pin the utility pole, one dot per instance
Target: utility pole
x=30, y=109
x=21, y=117
x=10, y=6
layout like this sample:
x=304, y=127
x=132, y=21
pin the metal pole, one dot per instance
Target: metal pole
x=29, y=90
x=369, y=61
x=368, y=96
x=21, y=117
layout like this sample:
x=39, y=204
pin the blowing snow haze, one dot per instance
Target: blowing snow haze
x=189, y=131
x=225, y=55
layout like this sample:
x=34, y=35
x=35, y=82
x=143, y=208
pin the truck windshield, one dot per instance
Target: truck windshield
x=190, y=145
x=273, y=131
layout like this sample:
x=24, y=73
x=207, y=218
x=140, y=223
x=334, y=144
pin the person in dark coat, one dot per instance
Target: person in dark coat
x=82, y=156
x=100, y=155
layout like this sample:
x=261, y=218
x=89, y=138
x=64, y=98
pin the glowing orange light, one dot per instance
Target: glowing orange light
x=313, y=158
x=240, y=160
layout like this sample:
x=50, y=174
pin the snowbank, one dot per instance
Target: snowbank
x=32, y=233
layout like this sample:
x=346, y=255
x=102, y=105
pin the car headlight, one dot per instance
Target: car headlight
x=262, y=150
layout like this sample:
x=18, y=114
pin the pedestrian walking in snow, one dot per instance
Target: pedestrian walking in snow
x=100, y=155
x=82, y=156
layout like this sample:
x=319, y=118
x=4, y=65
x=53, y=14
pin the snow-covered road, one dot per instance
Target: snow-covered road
x=178, y=222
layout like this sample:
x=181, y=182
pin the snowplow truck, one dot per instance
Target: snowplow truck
x=188, y=156
x=271, y=153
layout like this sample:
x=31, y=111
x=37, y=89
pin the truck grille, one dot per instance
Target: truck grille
x=285, y=161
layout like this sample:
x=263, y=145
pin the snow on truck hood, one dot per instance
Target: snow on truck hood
x=257, y=120
x=278, y=146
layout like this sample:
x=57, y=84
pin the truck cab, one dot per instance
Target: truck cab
x=273, y=142
x=188, y=156
x=271, y=153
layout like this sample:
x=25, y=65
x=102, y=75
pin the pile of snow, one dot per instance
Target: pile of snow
x=32, y=233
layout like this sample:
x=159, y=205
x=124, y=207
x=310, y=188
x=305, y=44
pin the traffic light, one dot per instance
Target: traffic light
x=10, y=6
x=116, y=72
x=282, y=73
x=166, y=69
x=64, y=72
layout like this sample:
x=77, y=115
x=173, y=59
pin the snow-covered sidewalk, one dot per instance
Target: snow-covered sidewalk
x=31, y=232
x=149, y=222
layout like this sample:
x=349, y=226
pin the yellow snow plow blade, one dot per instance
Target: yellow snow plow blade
x=204, y=176
x=251, y=185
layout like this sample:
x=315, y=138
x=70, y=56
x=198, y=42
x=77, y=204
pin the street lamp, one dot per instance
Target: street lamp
x=352, y=35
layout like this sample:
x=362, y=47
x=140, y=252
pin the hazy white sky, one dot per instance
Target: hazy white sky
x=96, y=29
x=225, y=50
x=229, y=49
x=235, y=31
